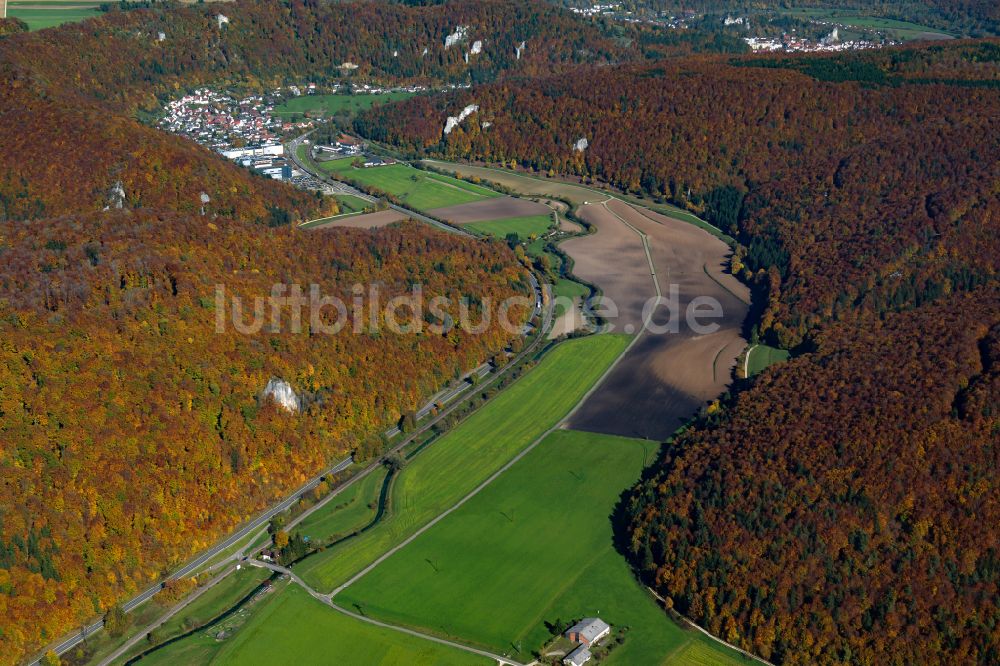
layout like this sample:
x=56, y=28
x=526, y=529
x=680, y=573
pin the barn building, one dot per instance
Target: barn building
x=588, y=631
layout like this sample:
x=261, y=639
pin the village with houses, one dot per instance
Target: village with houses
x=757, y=30
x=250, y=131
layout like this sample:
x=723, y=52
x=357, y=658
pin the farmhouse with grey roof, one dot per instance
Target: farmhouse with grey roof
x=588, y=631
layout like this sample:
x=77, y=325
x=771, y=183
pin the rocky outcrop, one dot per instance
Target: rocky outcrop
x=282, y=393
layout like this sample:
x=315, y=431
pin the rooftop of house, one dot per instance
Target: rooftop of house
x=581, y=655
x=589, y=628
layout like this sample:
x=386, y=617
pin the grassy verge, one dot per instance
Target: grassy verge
x=351, y=204
x=228, y=552
x=462, y=459
x=349, y=511
x=534, y=547
x=215, y=601
x=101, y=644
x=762, y=356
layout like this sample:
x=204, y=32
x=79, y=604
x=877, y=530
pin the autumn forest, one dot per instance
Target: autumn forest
x=838, y=508
x=835, y=509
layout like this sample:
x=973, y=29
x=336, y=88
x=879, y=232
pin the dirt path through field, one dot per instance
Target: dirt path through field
x=614, y=259
x=667, y=376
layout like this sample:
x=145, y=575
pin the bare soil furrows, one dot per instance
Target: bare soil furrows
x=489, y=209
x=381, y=218
x=667, y=376
x=613, y=259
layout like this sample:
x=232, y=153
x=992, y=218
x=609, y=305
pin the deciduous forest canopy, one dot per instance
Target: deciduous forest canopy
x=839, y=510
x=131, y=436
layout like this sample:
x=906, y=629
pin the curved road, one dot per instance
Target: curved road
x=72, y=641
x=447, y=395
x=291, y=153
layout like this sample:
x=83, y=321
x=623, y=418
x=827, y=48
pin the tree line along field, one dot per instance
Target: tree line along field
x=350, y=206
x=289, y=626
x=206, y=608
x=535, y=546
x=328, y=105
x=421, y=190
x=577, y=195
x=348, y=511
x=450, y=468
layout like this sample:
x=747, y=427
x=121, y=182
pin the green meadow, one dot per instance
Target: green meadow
x=417, y=189
x=534, y=547
x=762, y=356
x=524, y=227
x=290, y=627
x=467, y=455
x=350, y=510
x=38, y=17
x=328, y=105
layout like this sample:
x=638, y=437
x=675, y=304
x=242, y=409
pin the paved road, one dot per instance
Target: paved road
x=72, y=641
x=340, y=187
x=261, y=520
x=325, y=599
x=446, y=396
x=336, y=186
x=141, y=634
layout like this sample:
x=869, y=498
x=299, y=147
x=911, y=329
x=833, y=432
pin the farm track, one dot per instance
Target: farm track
x=667, y=376
x=644, y=319
x=328, y=601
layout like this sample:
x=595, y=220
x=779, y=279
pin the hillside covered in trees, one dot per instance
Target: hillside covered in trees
x=844, y=195
x=839, y=510
x=967, y=18
x=131, y=432
x=68, y=95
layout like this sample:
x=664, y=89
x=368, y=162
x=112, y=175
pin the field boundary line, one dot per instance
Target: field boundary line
x=649, y=257
x=727, y=289
x=677, y=216
x=328, y=601
x=378, y=462
x=692, y=623
x=558, y=425
x=159, y=622
x=746, y=360
x=493, y=477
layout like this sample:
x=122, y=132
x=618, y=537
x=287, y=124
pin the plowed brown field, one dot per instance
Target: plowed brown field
x=665, y=377
x=489, y=209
